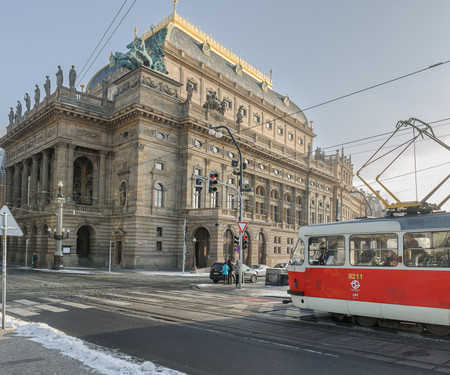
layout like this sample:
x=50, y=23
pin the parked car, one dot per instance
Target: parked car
x=215, y=273
x=249, y=274
x=260, y=269
x=280, y=265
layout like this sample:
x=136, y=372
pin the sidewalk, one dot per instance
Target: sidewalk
x=19, y=355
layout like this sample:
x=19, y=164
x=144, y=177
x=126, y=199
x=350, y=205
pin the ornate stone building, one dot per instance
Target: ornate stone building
x=128, y=150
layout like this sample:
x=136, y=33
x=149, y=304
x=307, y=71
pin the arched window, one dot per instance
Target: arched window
x=274, y=194
x=83, y=184
x=159, y=195
x=260, y=190
x=287, y=197
x=299, y=200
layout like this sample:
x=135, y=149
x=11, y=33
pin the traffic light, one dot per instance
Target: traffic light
x=213, y=180
x=244, y=242
x=236, y=241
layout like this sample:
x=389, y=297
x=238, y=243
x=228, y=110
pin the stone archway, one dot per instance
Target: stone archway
x=262, y=248
x=201, y=247
x=84, y=243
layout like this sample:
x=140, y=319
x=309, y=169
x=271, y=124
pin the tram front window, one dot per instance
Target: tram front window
x=326, y=251
x=298, y=256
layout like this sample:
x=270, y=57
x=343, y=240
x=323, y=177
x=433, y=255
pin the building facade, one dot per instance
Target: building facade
x=128, y=151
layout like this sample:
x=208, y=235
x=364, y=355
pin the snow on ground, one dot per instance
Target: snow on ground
x=102, y=360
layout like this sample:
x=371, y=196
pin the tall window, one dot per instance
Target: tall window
x=159, y=194
x=230, y=201
x=215, y=199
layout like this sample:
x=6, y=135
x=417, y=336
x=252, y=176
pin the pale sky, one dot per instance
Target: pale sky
x=318, y=49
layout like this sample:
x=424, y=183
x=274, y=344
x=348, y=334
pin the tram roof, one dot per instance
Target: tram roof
x=433, y=221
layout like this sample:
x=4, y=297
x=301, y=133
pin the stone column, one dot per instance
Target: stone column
x=9, y=184
x=16, y=189
x=59, y=167
x=24, y=185
x=101, y=181
x=34, y=181
x=44, y=178
x=68, y=182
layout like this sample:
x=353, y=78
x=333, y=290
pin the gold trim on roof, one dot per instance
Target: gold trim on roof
x=195, y=32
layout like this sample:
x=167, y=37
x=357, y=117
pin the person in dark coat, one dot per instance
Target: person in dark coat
x=34, y=259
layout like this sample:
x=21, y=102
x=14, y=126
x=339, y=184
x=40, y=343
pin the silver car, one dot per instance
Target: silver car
x=260, y=269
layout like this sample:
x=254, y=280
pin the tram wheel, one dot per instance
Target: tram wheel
x=366, y=321
x=437, y=329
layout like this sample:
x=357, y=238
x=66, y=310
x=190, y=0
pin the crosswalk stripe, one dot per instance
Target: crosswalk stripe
x=21, y=312
x=26, y=302
x=50, y=308
x=77, y=305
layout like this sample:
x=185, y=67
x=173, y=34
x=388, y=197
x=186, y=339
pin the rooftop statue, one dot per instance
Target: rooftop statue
x=11, y=116
x=27, y=101
x=72, y=77
x=59, y=77
x=37, y=95
x=18, y=110
x=47, y=86
x=139, y=55
x=157, y=54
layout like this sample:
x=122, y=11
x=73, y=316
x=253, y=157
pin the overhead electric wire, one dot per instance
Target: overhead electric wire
x=87, y=61
x=96, y=57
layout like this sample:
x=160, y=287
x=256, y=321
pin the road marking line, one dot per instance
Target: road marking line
x=25, y=302
x=51, y=308
x=77, y=305
x=21, y=312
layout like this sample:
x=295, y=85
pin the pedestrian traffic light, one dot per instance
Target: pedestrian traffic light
x=244, y=242
x=213, y=180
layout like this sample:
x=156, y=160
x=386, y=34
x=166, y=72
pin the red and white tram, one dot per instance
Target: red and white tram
x=390, y=268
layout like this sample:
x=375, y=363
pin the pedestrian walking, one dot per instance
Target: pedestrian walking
x=237, y=272
x=225, y=269
x=34, y=259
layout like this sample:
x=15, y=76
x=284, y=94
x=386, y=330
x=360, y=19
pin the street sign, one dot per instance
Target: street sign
x=13, y=228
x=242, y=225
x=238, y=248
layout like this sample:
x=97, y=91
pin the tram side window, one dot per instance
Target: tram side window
x=427, y=249
x=374, y=250
x=326, y=251
x=298, y=256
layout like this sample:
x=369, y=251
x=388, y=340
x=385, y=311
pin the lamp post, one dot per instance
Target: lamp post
x=352, y=194
x=194, y=267
x=60, y=233
x=213, y=132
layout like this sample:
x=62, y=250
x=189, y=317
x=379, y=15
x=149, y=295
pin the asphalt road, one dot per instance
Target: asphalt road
x=192, y=325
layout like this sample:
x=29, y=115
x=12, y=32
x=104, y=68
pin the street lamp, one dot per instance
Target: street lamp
x=213, y=132
x=60, y=233
x=352, y=194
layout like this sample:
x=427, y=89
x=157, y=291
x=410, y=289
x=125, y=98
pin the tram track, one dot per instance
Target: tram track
x=322, y=336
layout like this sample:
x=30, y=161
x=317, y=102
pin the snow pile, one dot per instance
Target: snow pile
x=102, y=360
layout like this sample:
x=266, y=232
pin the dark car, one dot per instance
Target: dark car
x=215, y=273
